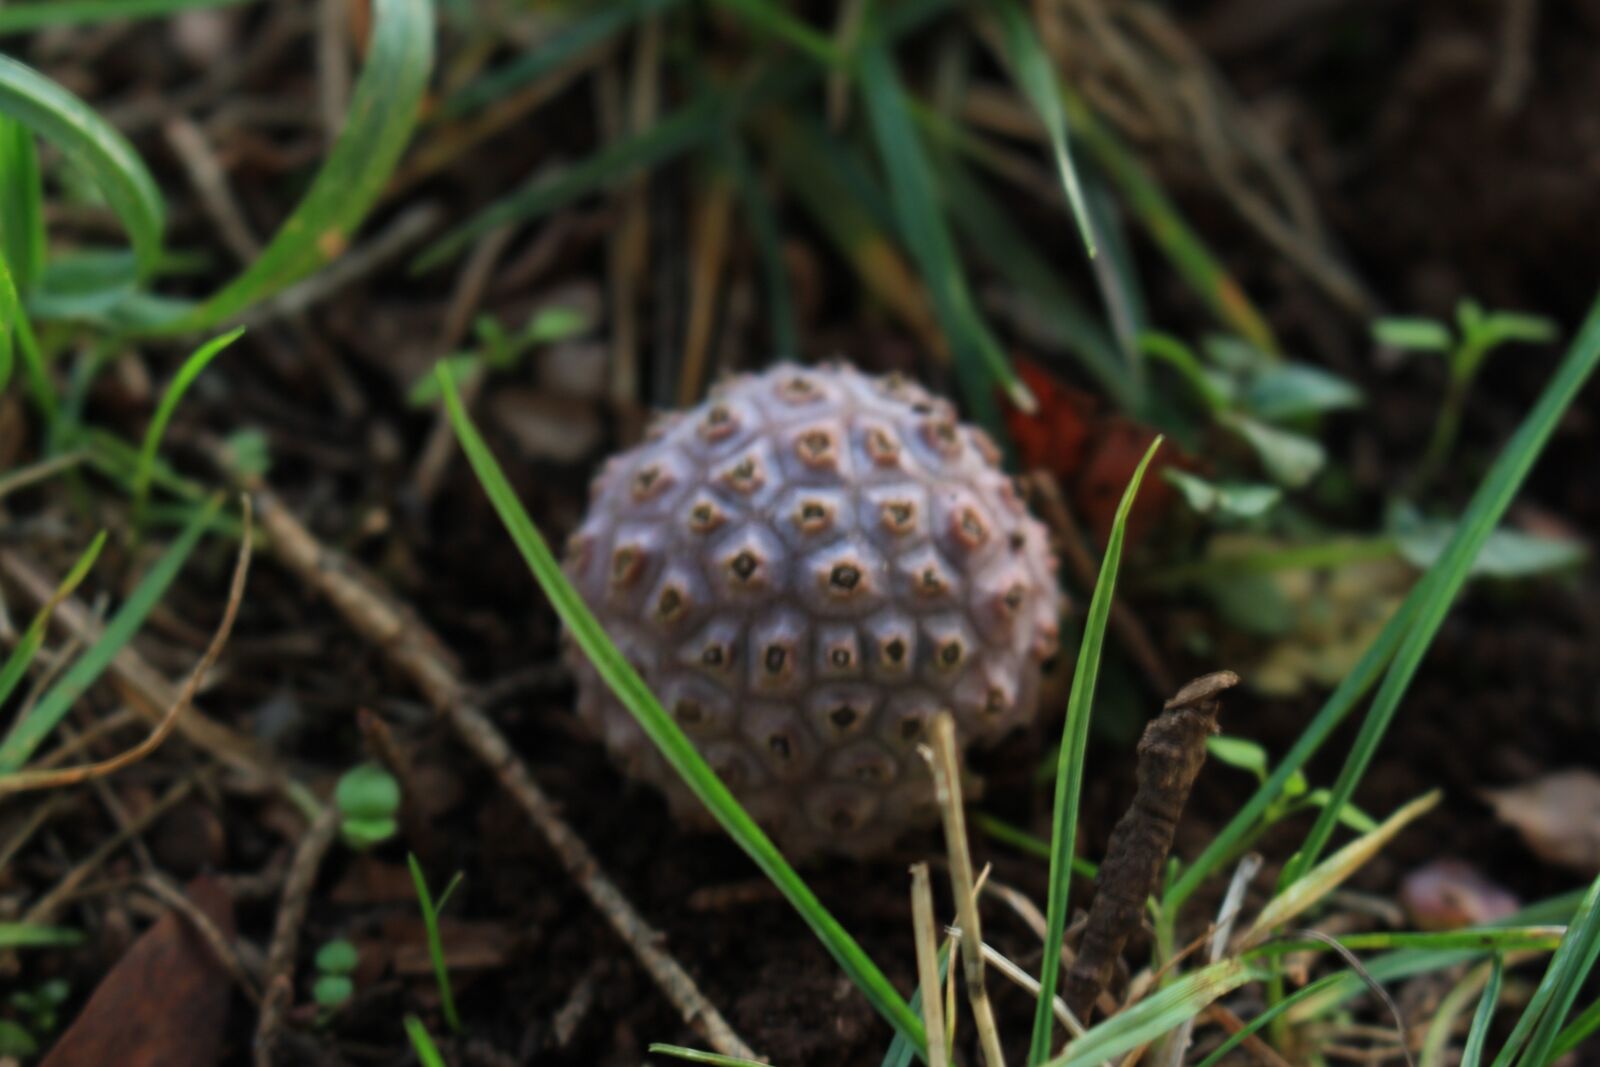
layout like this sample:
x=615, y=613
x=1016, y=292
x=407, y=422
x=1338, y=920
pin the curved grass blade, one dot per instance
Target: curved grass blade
x=1069, y=767
x=1042, y=296
x=1157, y=1014
x=383, y=112
x=1444, y=580
x=980, y=361
x=1540, y=1024
x=187, y=373
x=1166, y=225
x=691, y=126
x=22, y=238
x=598, y=25
x=1032, y=71
x=23, y=17
x=664, y=732
x=1581, y=1029
x=27, y=734
x=1472, y=1052
x=773, y=20
x=92, y=145
x=1311, y=887
x=33, y=637
x=678, y=1052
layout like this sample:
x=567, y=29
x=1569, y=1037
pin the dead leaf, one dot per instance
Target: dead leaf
x=1448, y=894
x=164, y=1004
x=1557, y=815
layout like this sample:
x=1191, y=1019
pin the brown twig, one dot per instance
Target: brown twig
x=45, y=907
x=28, y=780
x=1171, y=753
x=412, y=648
x=278, y=978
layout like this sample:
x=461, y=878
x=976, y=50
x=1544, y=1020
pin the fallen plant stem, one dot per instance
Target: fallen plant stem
x=278, y=976
x=1171, y=753
x=926, y=934
x=947, y=787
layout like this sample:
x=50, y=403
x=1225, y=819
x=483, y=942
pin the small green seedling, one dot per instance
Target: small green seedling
x=498, y=350
x=430, y=919
x=1478, y=333
x=1297, y=793
x=39, y=1010
x=336, y=962
x=368, y=798
x=1263, y=400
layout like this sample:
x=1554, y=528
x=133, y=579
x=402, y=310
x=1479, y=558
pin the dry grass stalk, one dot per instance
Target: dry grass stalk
x=926, y=933
x=947, y=787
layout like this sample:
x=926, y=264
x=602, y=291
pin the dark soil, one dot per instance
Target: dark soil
x=1430, y=196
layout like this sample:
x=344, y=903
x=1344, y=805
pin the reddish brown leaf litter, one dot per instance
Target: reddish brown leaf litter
x=164, y=1003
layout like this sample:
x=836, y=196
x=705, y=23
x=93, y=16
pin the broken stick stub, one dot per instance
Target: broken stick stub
x=1171, y=753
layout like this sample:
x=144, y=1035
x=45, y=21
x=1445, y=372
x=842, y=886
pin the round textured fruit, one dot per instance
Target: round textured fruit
x=805, y=569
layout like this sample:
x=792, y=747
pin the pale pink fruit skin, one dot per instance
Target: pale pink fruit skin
x=804, y=569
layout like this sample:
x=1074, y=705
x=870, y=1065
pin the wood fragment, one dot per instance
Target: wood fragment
x=1171, y=753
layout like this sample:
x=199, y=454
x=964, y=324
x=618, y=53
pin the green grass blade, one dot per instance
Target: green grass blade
x=1477, y=938
x=1444, y=579
x=430, y=921
x=1166, y=226
x=1581, y=1029
x=92, y=145
x=668, y=738
x=1540, y=1025
x=1043, y=294
x=692, y=125
x=1156, y=1014
x=422, y=1043
x=24, y=17
x=772, y=19
x=27, y=734
x=1472, y=1052
x=22, y=238
x=383, y=112
x=1069, y=766
x=32, y=935
x=900, y=1052
x=1032, y=70
x=599, y=24
x=678, y=1052
x=187, y=373
x=1235, y=1040
x=33, y=637
x=980, y=361
x=1405, y=963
